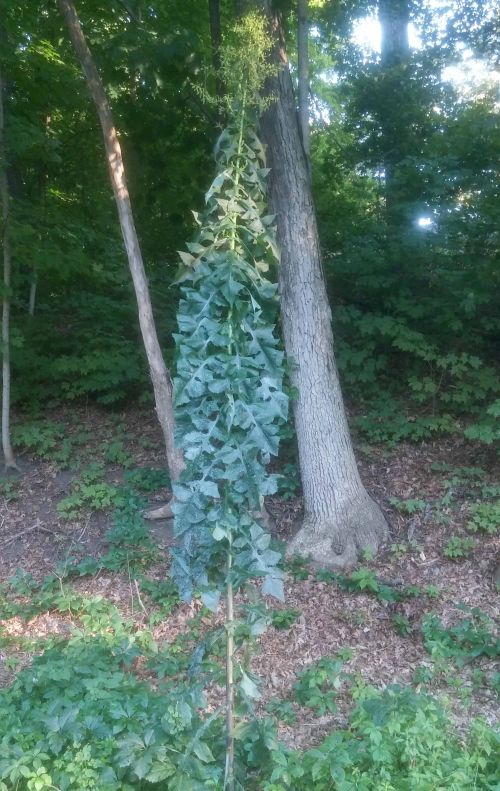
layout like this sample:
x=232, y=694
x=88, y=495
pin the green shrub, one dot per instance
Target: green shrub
x=484, y=518
x=42, y=437
x=297, y=567
x=470, y=638
x=289, y=482
x=402, y=625
x=318, y=685
x=458, y=548
x=410, y=506
x=8, y=490
x=130, y=545
x=78, y=719
x=283, y=619
x=147, y=479
x=94, y=350
x=364, y=580
x=397, y=741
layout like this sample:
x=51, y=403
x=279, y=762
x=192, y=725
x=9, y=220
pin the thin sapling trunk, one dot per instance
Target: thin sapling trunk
x=32, y=301
x=8, y=453
x=160, y=376
x=216, y=39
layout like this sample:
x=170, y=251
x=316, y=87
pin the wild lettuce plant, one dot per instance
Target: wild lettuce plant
x=229, y=395
x=229, y=385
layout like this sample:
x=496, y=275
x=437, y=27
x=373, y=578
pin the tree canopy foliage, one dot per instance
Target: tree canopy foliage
x=413, y=288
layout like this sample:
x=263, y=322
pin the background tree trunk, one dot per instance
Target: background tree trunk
x=303, y=75
x=340, y=518
x=216, y=39
x=32, y=297
x=394, y=17
x=162, y=383
x=394, y=56
x=8, y=453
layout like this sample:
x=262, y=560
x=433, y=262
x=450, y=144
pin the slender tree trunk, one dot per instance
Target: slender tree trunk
x=340, y=518
x=32, y=300
x=216, y=39
x=162, y=383
x=8, y=453
x=303, y=75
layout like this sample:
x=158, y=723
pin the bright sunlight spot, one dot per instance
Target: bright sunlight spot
x=367, y=35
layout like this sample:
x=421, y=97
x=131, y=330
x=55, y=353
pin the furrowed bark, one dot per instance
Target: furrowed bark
x=341, y=520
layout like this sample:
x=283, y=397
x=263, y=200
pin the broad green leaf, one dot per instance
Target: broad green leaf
x=273, y=586
x=219, y=533
x=249, y=687
x=211, y=599
x=203, y=751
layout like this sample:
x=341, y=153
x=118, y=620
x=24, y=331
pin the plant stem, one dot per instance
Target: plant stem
x=234, y=218
x=229, y=773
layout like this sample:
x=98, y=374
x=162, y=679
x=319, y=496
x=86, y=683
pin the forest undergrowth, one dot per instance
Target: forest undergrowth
x=382, y=677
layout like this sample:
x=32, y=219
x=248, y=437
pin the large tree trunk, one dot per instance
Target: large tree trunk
x=340, y=518
x=8, y=453
x=162, y=383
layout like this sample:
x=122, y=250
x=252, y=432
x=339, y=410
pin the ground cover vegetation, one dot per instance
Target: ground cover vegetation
x=194, y=654
x=111, y=681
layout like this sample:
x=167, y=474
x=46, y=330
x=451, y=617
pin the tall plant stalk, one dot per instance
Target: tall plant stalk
x=229, y=398
x=230, y=627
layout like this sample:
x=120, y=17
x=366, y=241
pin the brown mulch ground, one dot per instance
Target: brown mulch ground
x=33, y=537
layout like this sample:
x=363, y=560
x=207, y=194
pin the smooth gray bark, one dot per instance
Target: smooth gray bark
x=162, y=383
x=8, y=453
x=340, y=520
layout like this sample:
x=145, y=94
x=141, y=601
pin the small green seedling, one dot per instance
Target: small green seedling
x=283, y=619
x=458, y=548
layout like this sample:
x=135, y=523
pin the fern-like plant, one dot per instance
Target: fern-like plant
x=229, y=384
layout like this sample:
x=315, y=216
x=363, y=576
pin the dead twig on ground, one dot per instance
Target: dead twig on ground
x=139, y=597
x=24, y=532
